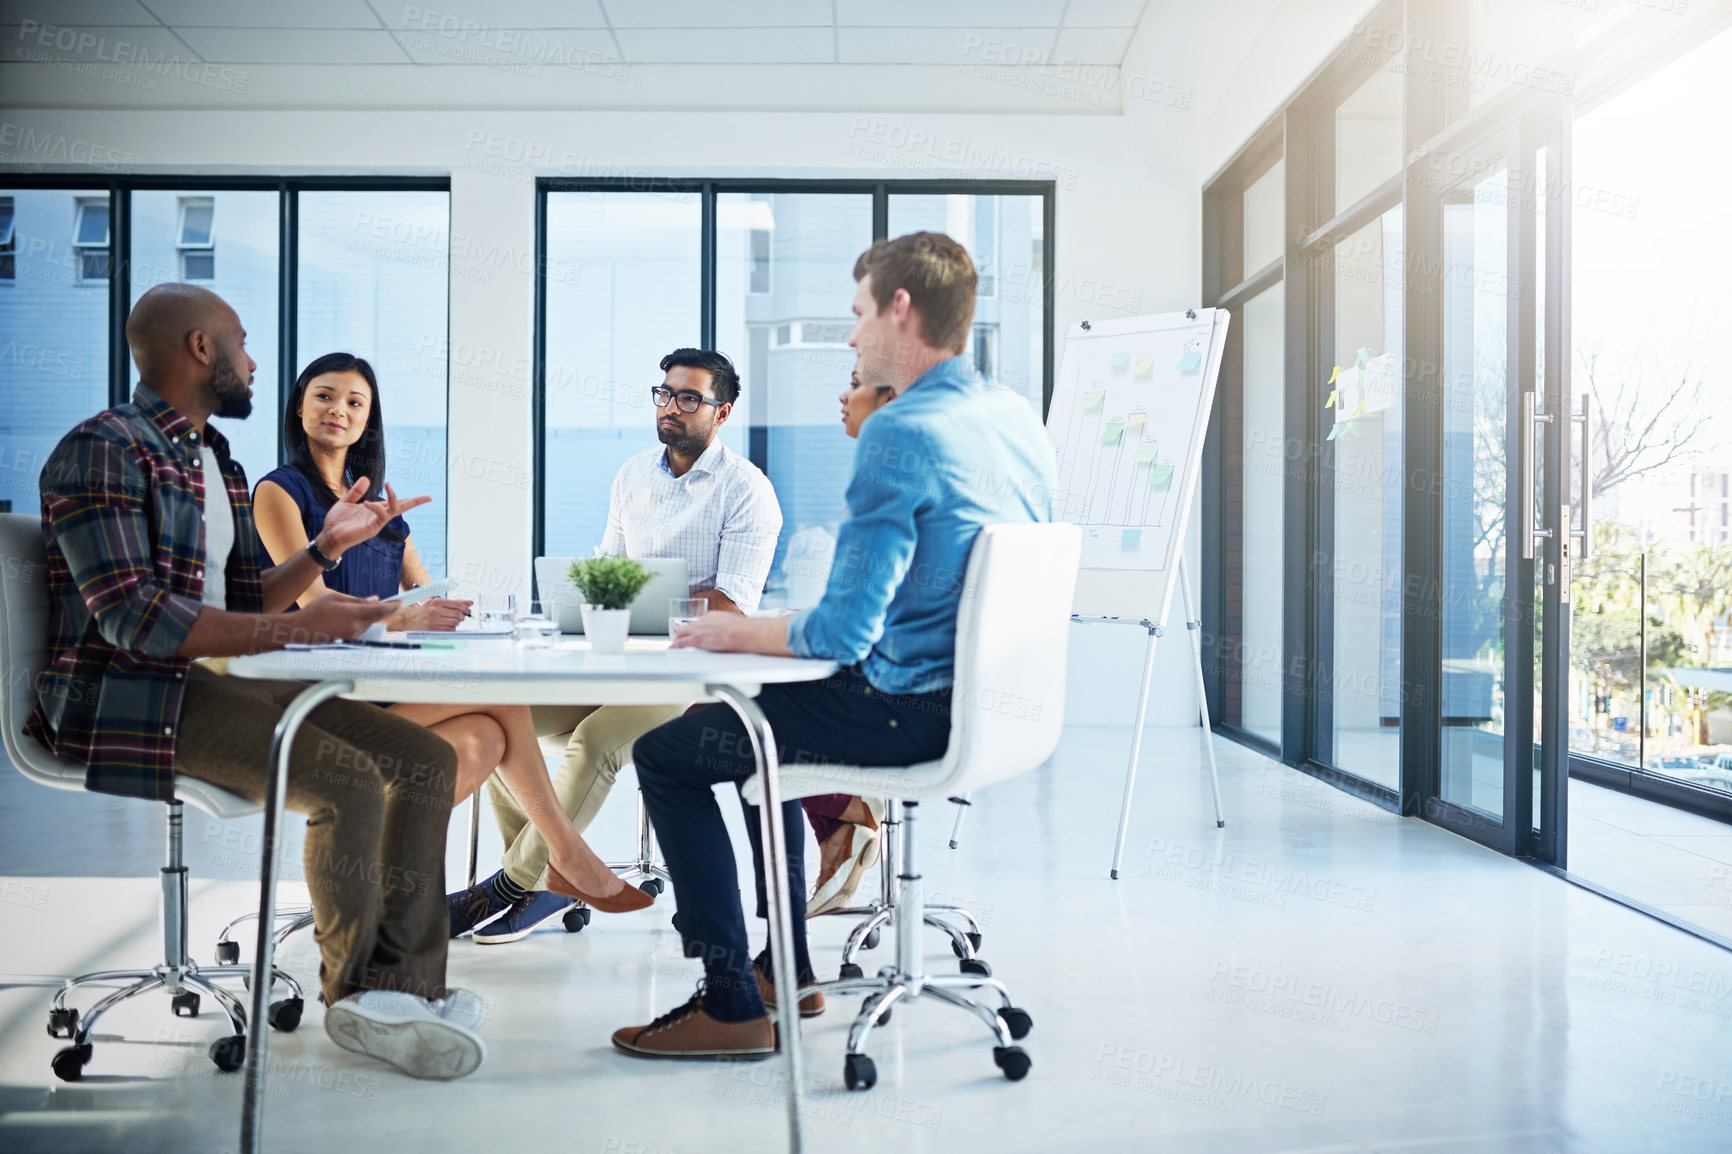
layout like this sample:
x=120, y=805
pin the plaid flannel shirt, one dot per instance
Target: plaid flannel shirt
x=123, y=518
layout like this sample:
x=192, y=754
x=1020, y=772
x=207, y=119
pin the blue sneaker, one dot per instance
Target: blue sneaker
x=524, y=918
x=474, y=906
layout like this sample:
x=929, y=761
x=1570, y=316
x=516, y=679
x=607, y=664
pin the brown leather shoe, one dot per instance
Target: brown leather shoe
x=811, y=1005
x=691, y=1034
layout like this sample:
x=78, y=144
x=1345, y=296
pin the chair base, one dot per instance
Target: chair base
x=964, y=939
x=178, y=975
x=907, y=979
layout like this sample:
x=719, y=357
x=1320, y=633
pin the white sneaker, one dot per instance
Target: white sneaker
x=407, y=1032
x=462, y=1008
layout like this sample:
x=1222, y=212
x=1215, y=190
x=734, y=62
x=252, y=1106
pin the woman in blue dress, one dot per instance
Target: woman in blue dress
x=334, y=431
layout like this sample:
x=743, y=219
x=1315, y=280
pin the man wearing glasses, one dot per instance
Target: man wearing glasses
x=690, y=498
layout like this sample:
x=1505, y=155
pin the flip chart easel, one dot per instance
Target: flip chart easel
x=1129, y=413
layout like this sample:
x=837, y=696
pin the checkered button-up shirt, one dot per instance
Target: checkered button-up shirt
x=721, y=517
x=123, y=519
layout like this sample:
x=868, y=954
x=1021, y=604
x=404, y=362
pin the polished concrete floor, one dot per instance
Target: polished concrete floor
x=1674, y=861
x=1319, y=976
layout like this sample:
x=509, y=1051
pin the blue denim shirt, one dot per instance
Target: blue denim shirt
x=949, y=455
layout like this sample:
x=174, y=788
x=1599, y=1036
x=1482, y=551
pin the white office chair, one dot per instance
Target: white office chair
x=24, y=607
x=1007, y=711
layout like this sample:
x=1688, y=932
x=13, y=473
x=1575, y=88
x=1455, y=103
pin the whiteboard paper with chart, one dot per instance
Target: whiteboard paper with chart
x=1129, y=411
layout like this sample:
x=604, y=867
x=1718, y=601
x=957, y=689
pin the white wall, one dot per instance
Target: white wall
x=1126, y=240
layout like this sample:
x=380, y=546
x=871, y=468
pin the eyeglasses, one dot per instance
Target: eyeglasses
x=688, y=402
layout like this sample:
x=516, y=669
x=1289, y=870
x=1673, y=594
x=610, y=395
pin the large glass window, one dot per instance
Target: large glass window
x=372, y=280
x=53, y=333
x=1363, y=421
x=1255, y=612
x=1367, y=137
x=1004, y=235
x=623, y=280
x=1263, y=216
x=623, y=288
x=789, y=340
x=171, y=229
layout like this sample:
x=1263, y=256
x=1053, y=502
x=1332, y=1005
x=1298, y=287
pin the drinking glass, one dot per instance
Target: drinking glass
x=683, y=611
x=534, y=628
x=496, y=610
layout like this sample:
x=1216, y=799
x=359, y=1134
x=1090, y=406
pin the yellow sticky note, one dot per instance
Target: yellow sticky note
x=1135, y=422
x=1160, y=476
x=1147, y=451
x=1113, y=433
x=1333, y=375
x=1144, y=367
x=1094, y=399
x=1334, y=395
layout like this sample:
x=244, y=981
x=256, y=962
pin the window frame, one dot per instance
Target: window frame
x=709, y=190
x=9, y=242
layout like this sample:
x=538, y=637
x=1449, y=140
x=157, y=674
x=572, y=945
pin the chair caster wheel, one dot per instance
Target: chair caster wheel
x=576, y=918
x=185, y=1005
x=974, y=940
x=1013, y=1061
x=228, y=953
x=229, y=1053
x=848, y=970
x=653, y=887
x=285, y=1015
x=871, y=942
x=858, y=1072
x=69, y=1063
x=62, y=1023
x=1016, y=1021
x=976, y=967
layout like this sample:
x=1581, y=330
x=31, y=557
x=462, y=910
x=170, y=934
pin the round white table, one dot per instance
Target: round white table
x=567, y=673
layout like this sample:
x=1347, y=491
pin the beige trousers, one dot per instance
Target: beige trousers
x=599, y=744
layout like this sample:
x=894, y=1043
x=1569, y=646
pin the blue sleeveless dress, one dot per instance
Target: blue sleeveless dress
x=374, y=568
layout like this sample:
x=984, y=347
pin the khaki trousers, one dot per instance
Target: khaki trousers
x=599, y=744
x=377, y=791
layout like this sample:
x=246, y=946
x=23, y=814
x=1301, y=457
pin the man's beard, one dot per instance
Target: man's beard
x=686, y=444
x=233, y=398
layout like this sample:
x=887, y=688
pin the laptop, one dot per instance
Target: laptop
x=649, y=612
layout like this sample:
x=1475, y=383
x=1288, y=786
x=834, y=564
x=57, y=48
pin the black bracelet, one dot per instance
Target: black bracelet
x=316, y=554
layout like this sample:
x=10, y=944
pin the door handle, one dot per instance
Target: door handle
x=1587, y=472
x=1525, y=500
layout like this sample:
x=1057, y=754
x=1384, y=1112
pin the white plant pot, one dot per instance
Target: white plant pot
x=606, y=629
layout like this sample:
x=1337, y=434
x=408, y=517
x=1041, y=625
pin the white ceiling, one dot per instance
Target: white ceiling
x=537, y=33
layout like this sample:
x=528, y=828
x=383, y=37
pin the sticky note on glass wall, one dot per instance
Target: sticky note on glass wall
x=1093, y=400
x=1144, y=367
x=1113, y=433
x=1190, y=361
x=1130, y=538
x=1121, y=362
x=1147, y=451
x=1160, y=476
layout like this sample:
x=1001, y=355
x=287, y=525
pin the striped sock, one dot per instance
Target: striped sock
x=504, y=891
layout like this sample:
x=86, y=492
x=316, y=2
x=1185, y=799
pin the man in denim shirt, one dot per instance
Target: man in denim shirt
x=952, y=454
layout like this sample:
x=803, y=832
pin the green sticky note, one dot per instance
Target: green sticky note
x=1146, y=452
x=1334, y=395
x=1130, y=537
x=1334, y=431
x=1120, y=362
x=1094, y=399
x=1191, y=361
x=1160, y=476
x=1113, y=433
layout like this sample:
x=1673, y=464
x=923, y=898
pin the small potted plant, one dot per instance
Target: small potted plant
x=608, y=586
